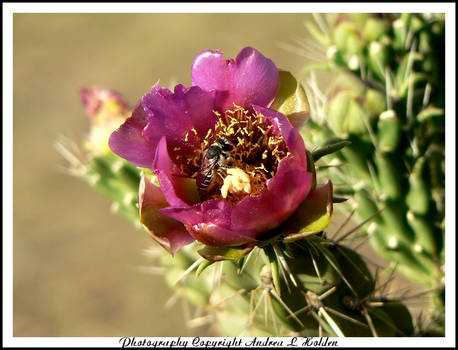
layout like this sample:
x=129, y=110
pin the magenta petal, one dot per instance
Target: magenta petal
x=129, y=143
x=175, y=114
x=178, y=189
x=249, y=79
x=216, y=222
x=285, y=191
x=214, y=235
x=210, y=223
x=293, y=139
x=170, y=234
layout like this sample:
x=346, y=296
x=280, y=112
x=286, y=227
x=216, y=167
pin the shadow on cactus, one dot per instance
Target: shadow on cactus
x=225, y=184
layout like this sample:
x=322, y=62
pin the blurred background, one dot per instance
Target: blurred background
x=77, y=267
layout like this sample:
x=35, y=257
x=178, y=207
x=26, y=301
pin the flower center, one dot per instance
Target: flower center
x=238, y=156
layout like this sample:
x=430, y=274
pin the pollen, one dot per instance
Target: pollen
x=257, y=149
x=236, y=182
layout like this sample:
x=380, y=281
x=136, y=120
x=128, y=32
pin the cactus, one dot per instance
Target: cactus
x=296, y=280
x=389, y=102
x=311, y=286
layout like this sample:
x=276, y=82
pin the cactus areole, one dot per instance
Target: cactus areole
x=229, y=167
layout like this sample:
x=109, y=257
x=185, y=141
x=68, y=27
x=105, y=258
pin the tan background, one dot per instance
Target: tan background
x=76, y=264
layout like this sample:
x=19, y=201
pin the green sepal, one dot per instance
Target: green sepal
x=312, y=216
x=203, y=265
x=291, y=100
x=339, y=199
x=337, y=146
x=223, y=253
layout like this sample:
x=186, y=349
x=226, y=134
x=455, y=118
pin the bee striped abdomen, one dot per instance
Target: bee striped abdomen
x=213, y=159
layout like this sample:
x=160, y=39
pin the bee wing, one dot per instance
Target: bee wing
x=205, y=174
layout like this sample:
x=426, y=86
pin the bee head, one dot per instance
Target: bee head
x=213, y=152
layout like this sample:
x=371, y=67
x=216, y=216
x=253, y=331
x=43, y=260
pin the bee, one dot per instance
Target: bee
x=213, y=162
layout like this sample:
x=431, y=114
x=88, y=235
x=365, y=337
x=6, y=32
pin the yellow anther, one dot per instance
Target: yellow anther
x=176, y=148
x=194, y=131
x=186, y=136
x=236, y=181
x=264, y=155
x=275, y=150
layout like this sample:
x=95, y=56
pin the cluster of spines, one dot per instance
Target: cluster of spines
x=389, y=102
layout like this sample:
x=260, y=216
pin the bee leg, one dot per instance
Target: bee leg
x=221, y=173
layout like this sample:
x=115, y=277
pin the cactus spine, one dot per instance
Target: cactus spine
x=312, y=286
x=389, y=102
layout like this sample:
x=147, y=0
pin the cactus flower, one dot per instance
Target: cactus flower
x=229, y=168
x=108, y=110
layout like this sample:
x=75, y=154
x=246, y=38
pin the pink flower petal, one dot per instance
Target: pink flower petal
x=169, y=233
x=249, y=79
